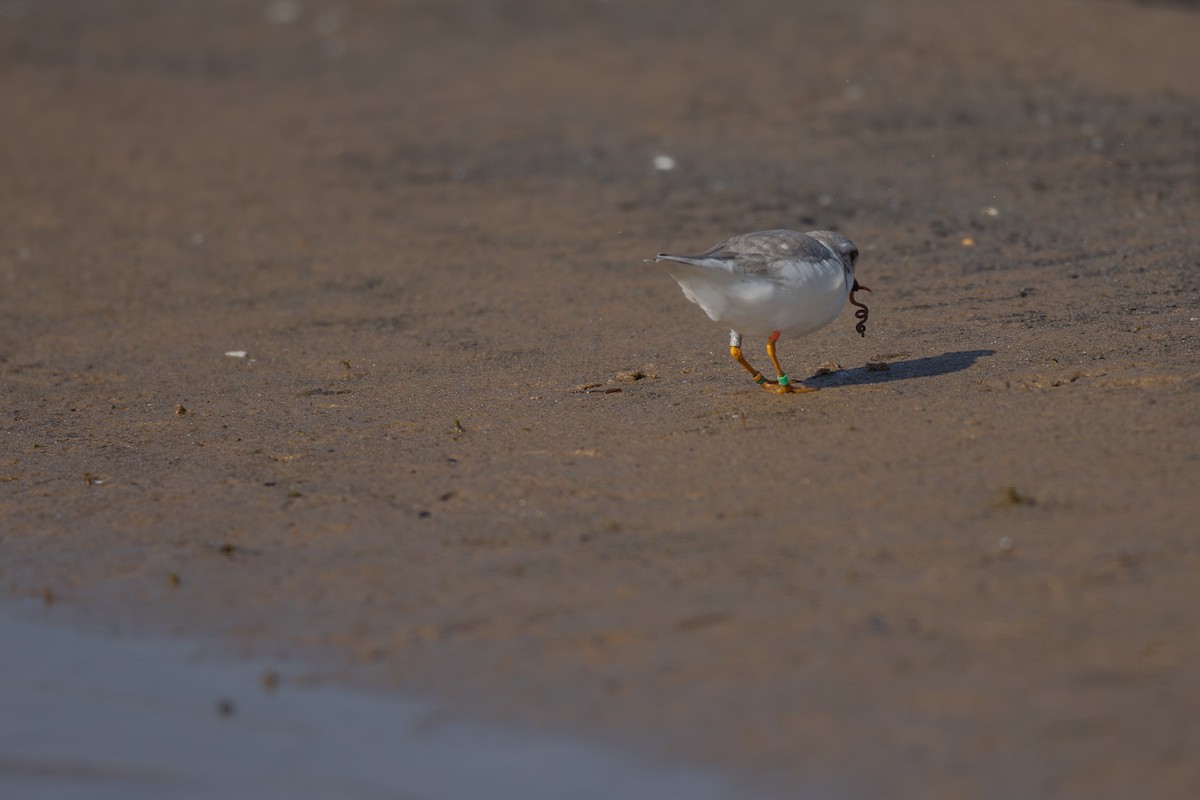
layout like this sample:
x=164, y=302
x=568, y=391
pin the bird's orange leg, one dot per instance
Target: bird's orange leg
x=736, y=352
x=785, y=385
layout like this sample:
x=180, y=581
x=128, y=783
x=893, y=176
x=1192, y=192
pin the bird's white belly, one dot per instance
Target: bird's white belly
x=758, y=306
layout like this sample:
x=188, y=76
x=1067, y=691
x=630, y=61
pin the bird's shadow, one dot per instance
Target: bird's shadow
x=927, y=367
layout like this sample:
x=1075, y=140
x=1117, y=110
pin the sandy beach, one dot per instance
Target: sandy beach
x=299, y=301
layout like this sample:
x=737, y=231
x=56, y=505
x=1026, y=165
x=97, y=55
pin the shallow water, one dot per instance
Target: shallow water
x=85, y=715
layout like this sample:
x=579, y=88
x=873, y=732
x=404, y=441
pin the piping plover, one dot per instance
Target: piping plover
x=772, y=284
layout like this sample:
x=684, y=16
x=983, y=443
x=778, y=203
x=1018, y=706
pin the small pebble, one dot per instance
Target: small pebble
x=1010, y=496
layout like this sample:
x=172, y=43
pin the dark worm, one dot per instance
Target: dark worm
x=863, y=312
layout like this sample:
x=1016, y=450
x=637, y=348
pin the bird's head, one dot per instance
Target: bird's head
x=843, y=247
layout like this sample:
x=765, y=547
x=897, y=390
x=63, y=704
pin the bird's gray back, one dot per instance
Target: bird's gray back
x=759, y=253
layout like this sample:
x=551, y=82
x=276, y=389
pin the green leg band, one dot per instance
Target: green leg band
x=759, y=378
x=783, y=380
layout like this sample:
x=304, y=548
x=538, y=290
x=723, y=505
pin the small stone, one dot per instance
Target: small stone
x=664, y=163
x=1011, y=496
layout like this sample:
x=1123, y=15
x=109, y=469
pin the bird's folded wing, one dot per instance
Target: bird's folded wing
x=744, y=264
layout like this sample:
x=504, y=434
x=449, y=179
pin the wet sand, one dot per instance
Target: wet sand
x=96, y=716
x=971, y=574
